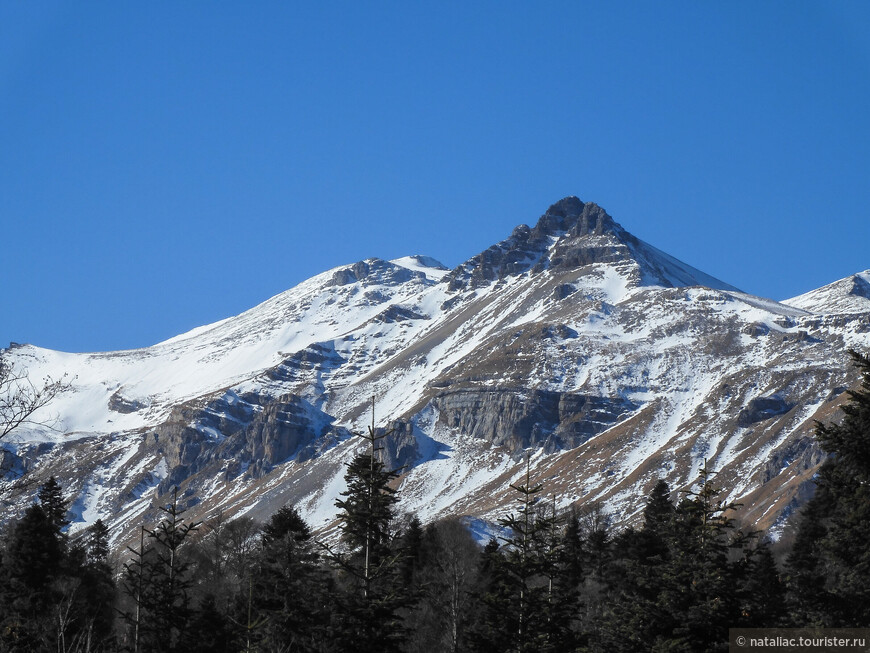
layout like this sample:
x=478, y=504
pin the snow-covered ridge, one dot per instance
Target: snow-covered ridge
x=607, y=359
x=845, y=296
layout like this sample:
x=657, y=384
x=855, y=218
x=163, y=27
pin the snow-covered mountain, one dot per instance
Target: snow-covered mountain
x=606, y=361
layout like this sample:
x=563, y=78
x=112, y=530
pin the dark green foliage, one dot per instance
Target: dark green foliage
x=369, y=618
x=493, y=630
x=290, y=594
x=51, y=597
x=761, y=592
x=211, y=631
x=634, y=617
x=686, y=577
x=524, y=606
x=410, y=545
x=54, y=505
x=97, y=542
x=366, y=511
x=698, y=587
x=31, y=564
x=829, y=566
x=158, y=581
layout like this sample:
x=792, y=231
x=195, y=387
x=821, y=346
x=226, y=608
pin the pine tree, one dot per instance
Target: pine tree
x=633, y=618
x=369, y=619
x=492, y=630
x=54, y=505
x=210, y=630
x=698, y=587
x=760, y=589
x=569, y=580
x=523, y=603
x=31, y=565
x=97, y=542
x=158, y=581
x=51, y=596
x=829, y=566
x=290, y=593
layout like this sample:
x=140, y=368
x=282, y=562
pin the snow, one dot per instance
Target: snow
x=850, y=295
x=429, y=266
x=641, y=342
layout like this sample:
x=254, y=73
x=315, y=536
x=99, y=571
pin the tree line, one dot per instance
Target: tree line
x=553, y=581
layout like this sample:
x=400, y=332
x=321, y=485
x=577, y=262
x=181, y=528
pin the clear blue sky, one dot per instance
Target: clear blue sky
x=168, y=164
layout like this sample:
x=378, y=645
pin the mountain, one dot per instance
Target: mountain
x=604, y=360
x=846, y=296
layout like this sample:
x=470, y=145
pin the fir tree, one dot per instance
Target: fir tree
x=290, y=591
x=369, y=619
x=697, y=586
x=51, y=597
x=97, y=542
x=158, y=580
x=210, y=630
x=829, y=567
x=633, y=617
x=522, y=604
x=31, y=565
x=54, y=505
x=760, y=589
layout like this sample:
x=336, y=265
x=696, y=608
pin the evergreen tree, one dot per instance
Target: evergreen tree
x=31, y=565
x=97, y=542
x=290, y=592
x=658, y=514
x=158, y=580
x=369, y=619
x=410, y=544
x=760, y=589
x=492, y=632
x=51, y=597
x=633, y=617
x=697, y=586
x=522, y=604
x=569, y=581
x=54, y=505
x=210, y=630
x=829, y=567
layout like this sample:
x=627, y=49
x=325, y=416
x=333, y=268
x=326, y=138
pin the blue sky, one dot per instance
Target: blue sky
x=168, y=164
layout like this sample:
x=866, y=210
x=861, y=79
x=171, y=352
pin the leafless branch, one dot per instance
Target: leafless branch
x=20, y=398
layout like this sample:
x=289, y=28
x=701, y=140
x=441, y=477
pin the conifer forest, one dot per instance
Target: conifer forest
x=551, y=581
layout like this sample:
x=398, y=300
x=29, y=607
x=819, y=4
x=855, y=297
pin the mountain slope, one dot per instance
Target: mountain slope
x=605, y=360
x=846, y=296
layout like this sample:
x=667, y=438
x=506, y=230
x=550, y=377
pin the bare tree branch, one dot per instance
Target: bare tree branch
x=20, y=398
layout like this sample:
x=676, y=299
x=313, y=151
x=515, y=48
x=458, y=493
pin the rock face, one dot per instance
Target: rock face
x=528, y=248
x=376, y=271
x=519, y=419
x=860, y=287
x=234, y=434
x=606, y=362
x=572, y=235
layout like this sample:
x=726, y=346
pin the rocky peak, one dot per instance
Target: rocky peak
x=374, y=271
x=570, y=222
x=573, y=234
x=570, y=216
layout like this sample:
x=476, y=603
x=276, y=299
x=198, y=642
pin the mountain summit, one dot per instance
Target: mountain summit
x=573, y=235
x=605, y=361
